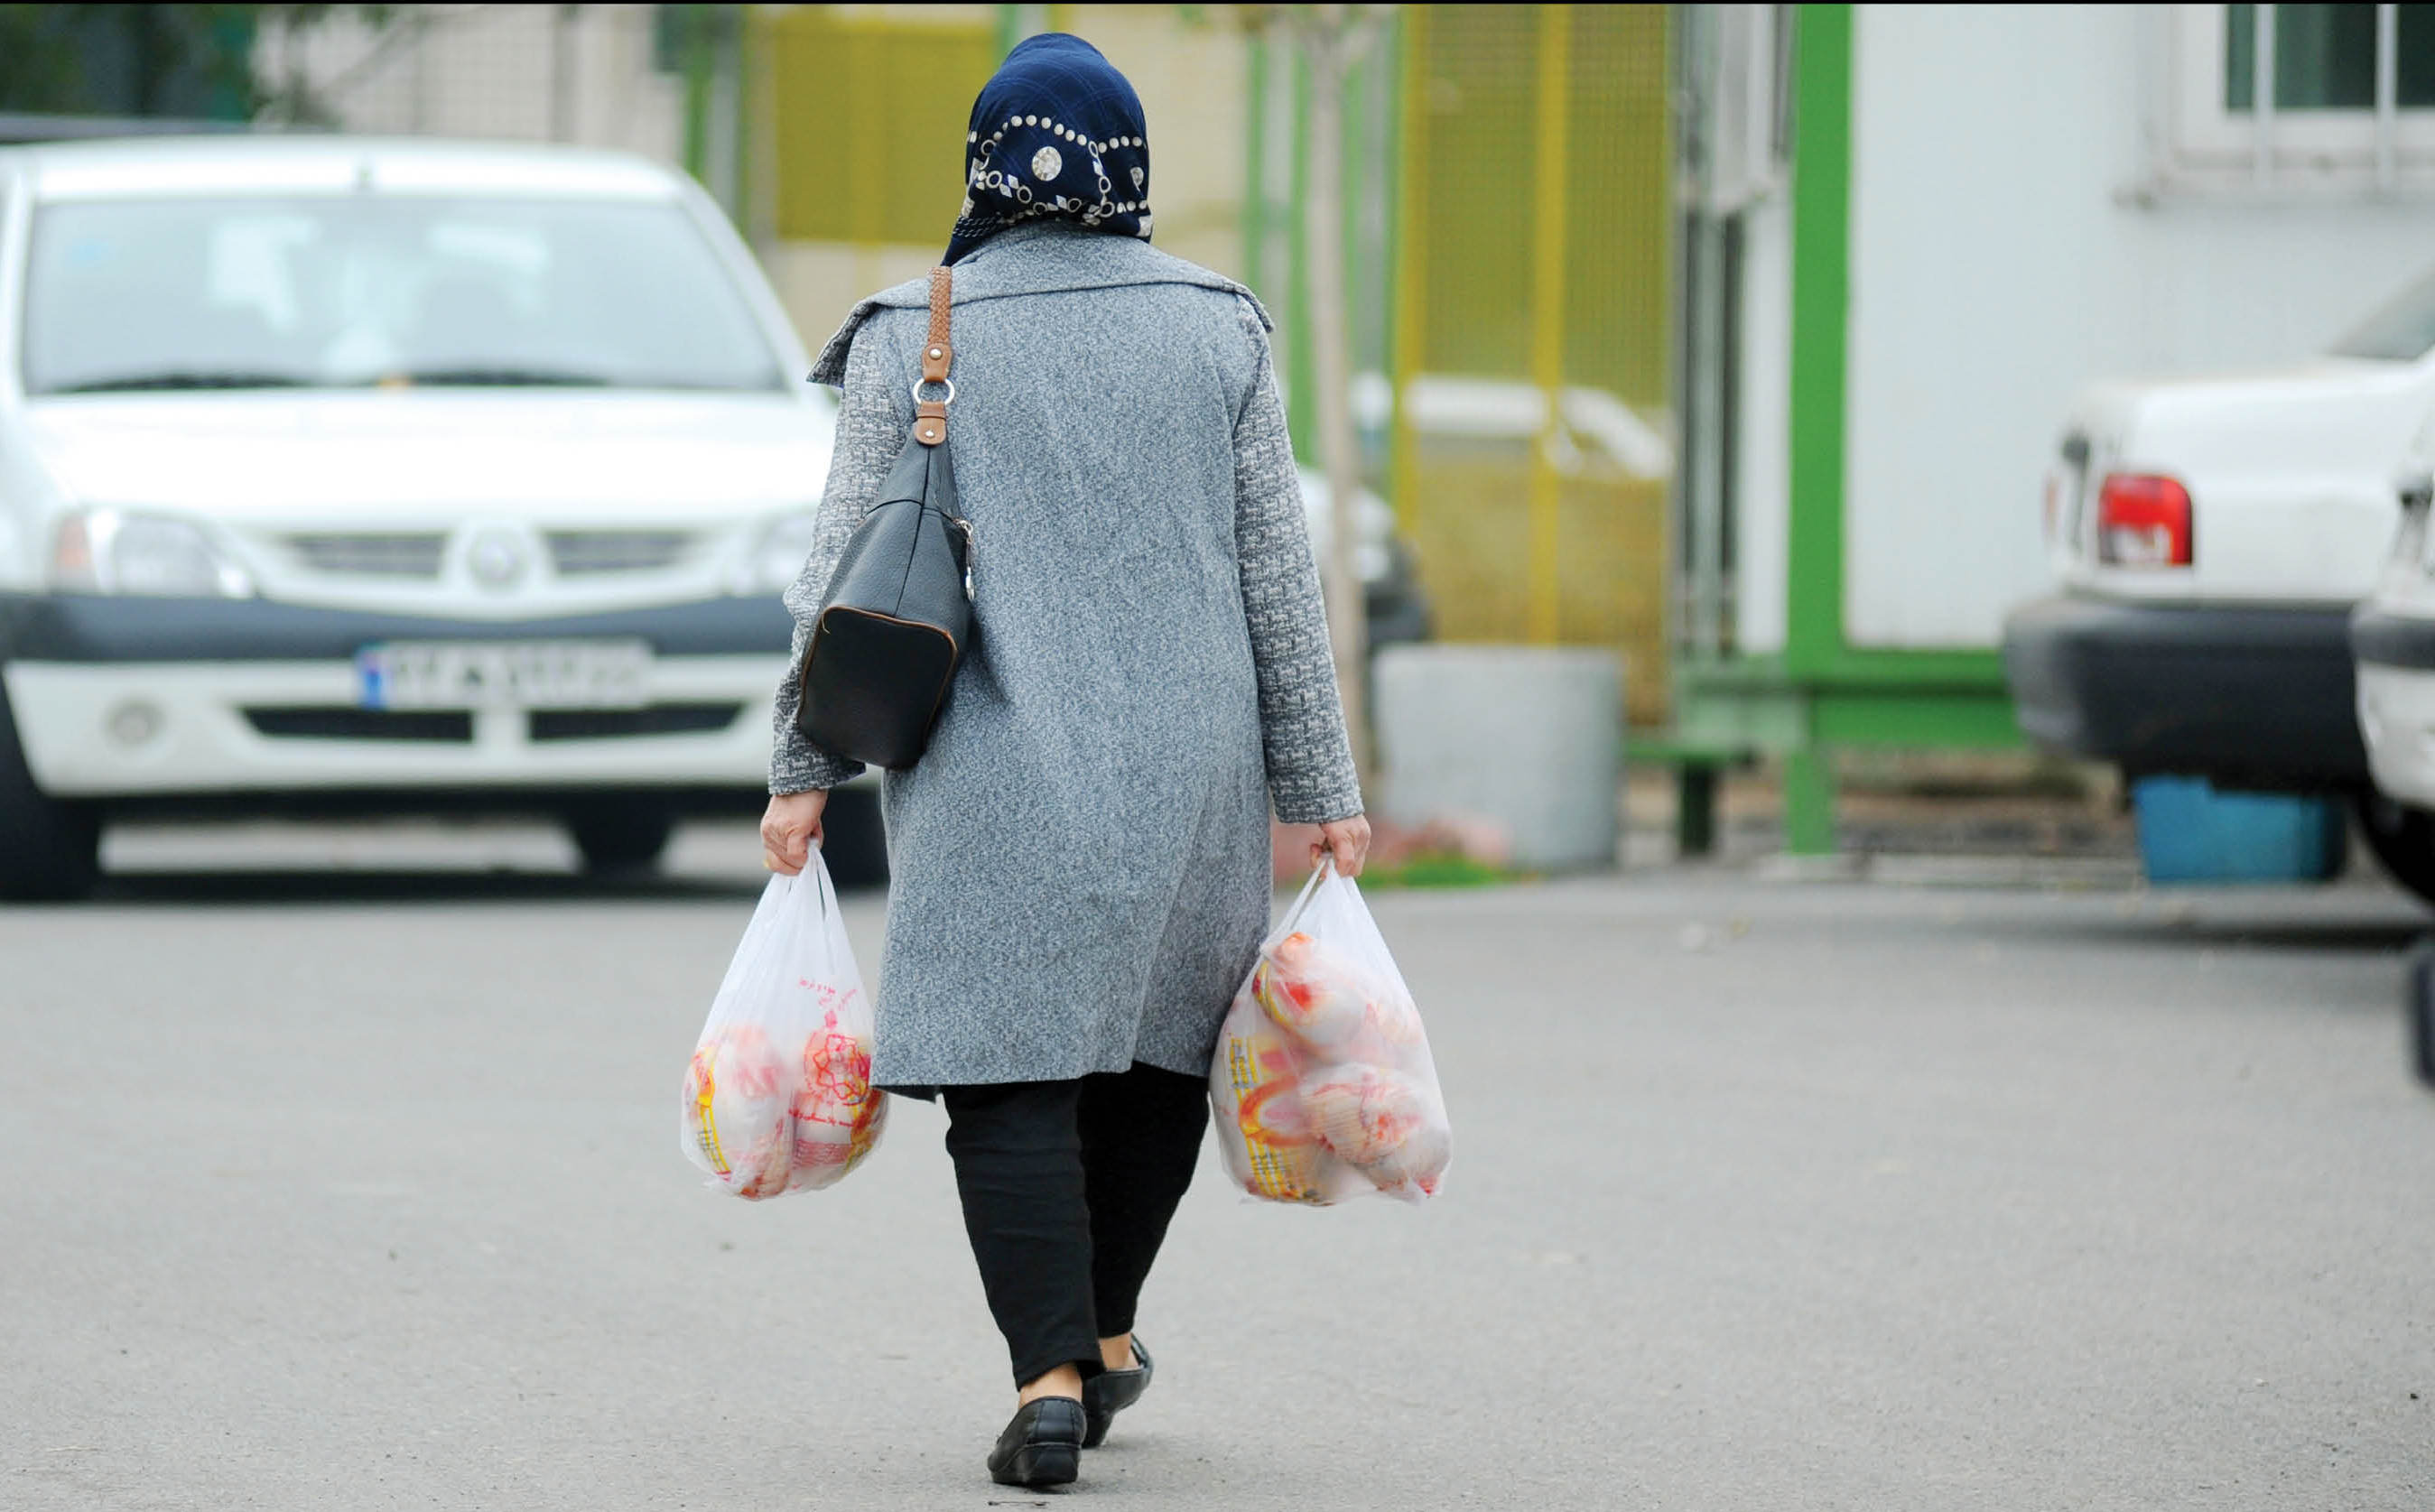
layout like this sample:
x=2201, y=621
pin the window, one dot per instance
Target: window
x=2325, y=58
x=2291, y=97
x=342, y=291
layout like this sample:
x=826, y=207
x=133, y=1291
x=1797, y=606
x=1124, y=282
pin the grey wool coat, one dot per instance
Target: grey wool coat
x=1080, y=859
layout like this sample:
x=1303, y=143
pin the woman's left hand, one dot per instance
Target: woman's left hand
x=1347, y=840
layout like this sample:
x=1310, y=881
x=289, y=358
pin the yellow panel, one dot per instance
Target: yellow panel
x=1619, y=230
x=1475, y=164
x=870, y=111
x=1480, y=73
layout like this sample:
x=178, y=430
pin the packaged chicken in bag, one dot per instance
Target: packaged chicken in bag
x=778, y=1095
x=1322, y=1082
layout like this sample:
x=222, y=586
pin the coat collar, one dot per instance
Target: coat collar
x=1044, y=257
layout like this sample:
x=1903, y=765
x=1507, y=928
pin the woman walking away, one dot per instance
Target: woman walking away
x=1080, y=857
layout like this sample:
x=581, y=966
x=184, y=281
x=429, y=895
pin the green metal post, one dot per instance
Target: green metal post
x=1820, y=292
x=1352, y=157
x=1390, y=259
x=1255, y=178
x=1822, y=175
x=1302, y=377
x=1410, y=246
x=1015, y=23
x=1809, y=802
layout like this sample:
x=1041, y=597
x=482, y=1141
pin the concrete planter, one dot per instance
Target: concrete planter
x=1521, y=742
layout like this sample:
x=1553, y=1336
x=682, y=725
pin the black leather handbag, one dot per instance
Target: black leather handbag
x=899, y=609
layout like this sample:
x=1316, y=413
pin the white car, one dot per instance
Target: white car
x=356, y=475
x=1396, y=605
x=2209, y=537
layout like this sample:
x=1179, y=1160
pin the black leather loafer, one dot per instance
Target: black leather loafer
x=1042, y=1444
x=1110, y=1392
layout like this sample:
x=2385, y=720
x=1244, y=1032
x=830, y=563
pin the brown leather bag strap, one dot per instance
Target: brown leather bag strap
x=937, y=354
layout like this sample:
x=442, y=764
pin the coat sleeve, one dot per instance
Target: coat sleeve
x=869, y=433
x=1311, y=777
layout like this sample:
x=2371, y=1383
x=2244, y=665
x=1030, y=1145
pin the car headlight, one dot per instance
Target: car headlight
x=778, y=556
x=107, y=551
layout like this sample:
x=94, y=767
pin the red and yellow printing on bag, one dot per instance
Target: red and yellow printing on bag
x=778, y=1095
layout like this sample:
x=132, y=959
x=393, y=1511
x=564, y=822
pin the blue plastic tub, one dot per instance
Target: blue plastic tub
x=2190, y=832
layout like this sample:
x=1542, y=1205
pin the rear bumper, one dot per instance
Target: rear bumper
x=127, y=698
x=2254, y=697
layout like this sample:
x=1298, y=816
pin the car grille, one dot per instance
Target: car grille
x=456, y=725
x=392, y=554
x=610, y=724
x=444, y=725
x=585, y=553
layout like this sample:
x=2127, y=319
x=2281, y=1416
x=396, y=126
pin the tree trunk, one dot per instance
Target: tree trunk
x=1329, y=52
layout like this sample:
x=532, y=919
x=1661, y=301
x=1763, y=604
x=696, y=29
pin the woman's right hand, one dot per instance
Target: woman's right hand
x=789, y=827
x=1347, y=840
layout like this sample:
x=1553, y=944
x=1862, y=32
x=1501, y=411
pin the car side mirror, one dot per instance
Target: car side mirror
x=2416, y=489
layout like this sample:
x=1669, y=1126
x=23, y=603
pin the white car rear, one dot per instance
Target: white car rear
x=2209, y=537
x=368, y=475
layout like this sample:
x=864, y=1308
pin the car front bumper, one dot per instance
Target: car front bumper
x=2251, y=698
x=128, y=698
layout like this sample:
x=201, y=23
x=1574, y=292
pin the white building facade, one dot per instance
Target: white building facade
x=1914, y=233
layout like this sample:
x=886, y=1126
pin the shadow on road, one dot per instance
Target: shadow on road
x=288, y=863
x=2331, y=934
x=345, y=889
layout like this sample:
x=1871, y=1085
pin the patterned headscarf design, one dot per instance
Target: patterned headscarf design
x=1056, y=131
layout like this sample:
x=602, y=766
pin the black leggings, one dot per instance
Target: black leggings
x=1067, y=1189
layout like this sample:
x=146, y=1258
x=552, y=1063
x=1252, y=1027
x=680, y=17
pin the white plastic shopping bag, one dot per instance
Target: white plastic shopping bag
x=1322, y=1082
x=778, y=1095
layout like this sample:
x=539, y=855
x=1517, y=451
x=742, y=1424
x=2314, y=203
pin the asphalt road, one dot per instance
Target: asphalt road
x=360, y=1189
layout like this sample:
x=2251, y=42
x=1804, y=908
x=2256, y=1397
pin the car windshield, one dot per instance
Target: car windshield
x=2403, y=330
x=391, y=290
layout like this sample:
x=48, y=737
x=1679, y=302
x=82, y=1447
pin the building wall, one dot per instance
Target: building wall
x=531, y=73
x=2002, y=256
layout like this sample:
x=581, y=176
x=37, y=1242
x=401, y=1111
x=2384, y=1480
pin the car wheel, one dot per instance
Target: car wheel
x=620, y=835
x=2403, y=840
x=53, y=851
x=853, y=838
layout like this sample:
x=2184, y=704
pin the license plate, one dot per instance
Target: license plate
x=503, y=674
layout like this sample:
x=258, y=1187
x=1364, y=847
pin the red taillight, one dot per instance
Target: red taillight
x=2143, y=521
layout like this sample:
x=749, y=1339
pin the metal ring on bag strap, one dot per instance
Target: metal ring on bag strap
x=938, y=355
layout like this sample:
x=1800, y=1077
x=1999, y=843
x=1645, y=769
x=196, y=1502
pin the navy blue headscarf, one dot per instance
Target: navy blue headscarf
x=1056, y=131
